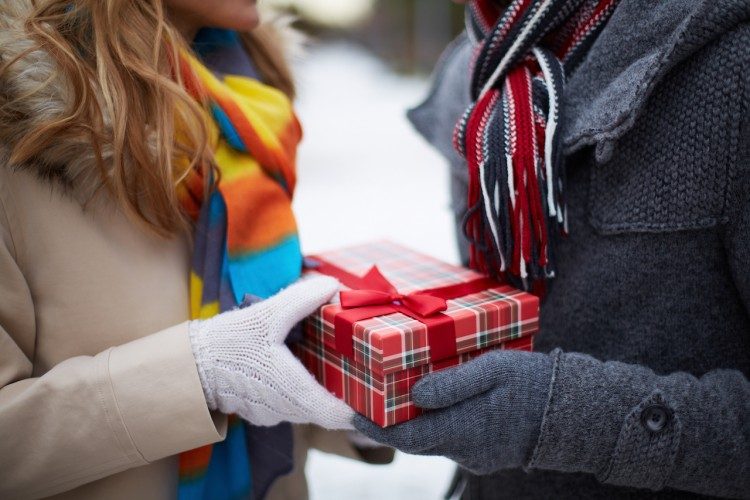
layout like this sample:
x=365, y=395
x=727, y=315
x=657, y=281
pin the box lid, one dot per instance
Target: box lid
x=395, y=342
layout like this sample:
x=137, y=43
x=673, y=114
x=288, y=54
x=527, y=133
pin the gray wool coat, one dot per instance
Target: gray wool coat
x=653, y=281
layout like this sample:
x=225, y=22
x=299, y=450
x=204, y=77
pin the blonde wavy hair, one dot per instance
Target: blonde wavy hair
x=124, y=98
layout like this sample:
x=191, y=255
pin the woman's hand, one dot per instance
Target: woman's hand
x=486, y=415
x=245, y=367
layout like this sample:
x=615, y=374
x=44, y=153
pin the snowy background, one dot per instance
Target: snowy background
x=364, y=174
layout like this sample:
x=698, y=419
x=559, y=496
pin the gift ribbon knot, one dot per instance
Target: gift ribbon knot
x=381, y=292
x=373, y=295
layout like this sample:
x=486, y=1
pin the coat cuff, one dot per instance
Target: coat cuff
x=159, y=397
x=607, y=419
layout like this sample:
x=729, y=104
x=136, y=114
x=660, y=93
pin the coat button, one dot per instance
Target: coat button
x=655, y=418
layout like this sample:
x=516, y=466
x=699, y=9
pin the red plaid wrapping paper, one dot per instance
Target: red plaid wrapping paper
x=391, y=352
x=383, y=399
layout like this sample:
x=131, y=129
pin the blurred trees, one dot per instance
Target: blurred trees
x=408, y=34
x=411, y=34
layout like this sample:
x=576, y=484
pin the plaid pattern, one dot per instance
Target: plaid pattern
x=391, y=353
x=384, y=399
x=396, y=342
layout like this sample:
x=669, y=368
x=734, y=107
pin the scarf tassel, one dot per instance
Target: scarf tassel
x=510, y=136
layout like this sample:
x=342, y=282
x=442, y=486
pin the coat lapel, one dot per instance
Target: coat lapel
x=642, y=42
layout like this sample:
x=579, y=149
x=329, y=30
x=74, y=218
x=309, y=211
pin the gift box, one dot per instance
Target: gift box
x=401, y=315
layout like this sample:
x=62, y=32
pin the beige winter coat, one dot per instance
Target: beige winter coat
x=98, y=386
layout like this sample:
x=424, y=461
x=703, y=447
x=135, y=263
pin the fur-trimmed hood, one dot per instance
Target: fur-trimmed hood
x=33, y=92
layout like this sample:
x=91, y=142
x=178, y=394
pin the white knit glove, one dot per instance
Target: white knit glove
x=246, y=369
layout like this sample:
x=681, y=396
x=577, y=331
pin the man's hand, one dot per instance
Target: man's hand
x=486, y=414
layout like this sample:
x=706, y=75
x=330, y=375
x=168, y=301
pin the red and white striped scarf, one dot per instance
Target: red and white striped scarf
x=509, y=135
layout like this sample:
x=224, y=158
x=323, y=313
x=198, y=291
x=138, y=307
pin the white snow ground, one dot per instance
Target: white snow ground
x=364, y=174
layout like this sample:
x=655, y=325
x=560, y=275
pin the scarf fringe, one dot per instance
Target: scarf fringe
x=510, y=136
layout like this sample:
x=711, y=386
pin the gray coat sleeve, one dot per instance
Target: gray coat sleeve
x=632, y=427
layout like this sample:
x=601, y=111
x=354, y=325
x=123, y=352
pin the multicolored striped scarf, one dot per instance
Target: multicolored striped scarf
x=246, y=241
x=509, y=135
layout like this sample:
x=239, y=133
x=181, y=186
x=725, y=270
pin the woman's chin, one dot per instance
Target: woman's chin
x=247, y=22
x=245, y=18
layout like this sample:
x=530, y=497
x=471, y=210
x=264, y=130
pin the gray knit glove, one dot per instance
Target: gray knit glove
x=486, y=414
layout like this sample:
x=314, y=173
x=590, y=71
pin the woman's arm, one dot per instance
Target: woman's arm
x=90, y=416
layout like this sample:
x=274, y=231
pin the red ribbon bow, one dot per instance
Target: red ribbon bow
x=373, y=295
x=382, y=292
